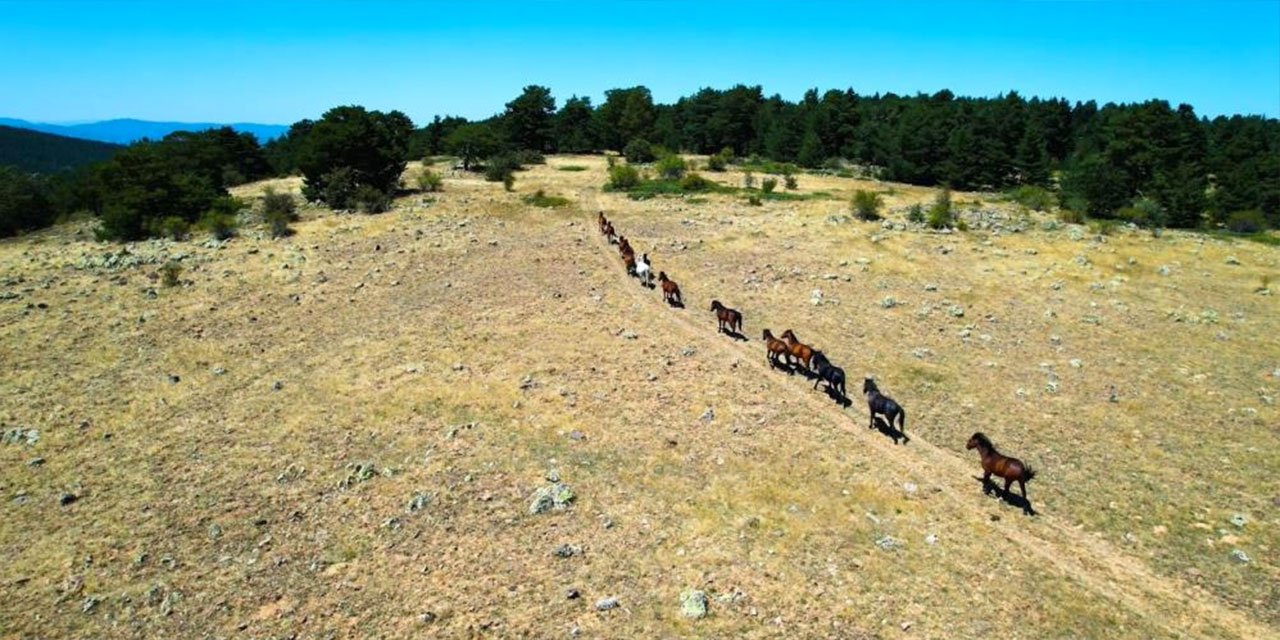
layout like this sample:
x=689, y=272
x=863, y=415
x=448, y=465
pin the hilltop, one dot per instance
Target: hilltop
x=128, y=130
x=342, y=431
x=46, y=153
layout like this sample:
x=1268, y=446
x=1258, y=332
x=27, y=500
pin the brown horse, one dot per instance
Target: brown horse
x=776, y=350
x=801, y=351
x=994, y=462
x=624, y=247
x=729, y=320
x=609, y=233
x=629, y=261
x=602, y=221
x=670, y=290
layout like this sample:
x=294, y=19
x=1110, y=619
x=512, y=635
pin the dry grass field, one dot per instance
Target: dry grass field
x=339, y=434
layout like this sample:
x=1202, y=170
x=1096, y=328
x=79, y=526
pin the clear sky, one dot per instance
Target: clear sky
x=277, y=62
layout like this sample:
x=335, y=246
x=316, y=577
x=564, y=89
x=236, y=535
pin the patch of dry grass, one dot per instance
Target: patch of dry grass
x=465, y=345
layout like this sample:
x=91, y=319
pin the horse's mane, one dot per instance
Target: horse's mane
x=983, y=440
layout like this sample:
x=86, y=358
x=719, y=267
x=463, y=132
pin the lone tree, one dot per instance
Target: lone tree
x=528, y=119
x=472, y=142
x=370, y=146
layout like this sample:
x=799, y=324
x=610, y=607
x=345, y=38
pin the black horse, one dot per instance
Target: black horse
x=885, y=406
x=833, y=375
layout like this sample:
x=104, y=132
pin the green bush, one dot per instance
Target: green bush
x=639, y=151
x=372, y=145
x=1145, y=213
x=1070, y=216
x=915, y=213
x=430, y=181
x=497, y=168
x=866, y=205
x=695, y=182
x=670, y=167
x=279, y=209
x=340, y=188
x=171, y=273
x=748, y=180
x=1032, y=197
x=754, y=200
x=541, y=199
x=719, y=161
x=175, y=228
x=1251, y=221
x=526, y=156
x=220, y=225
x=24, y=202
x=623, y=177
x=790, y=180
x=768, y=185
x=509, y=181
x=1103, y=226
x=940, y=214
x=370, y=199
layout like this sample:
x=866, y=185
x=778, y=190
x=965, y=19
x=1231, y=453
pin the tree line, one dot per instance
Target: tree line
x=1150, y=162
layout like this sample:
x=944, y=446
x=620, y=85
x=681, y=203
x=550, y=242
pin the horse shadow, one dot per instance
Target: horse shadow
x=782, y=365
x=838, y=397
x=735, y=335
x=675, y=304
x=1010, y=497
x=887, y=429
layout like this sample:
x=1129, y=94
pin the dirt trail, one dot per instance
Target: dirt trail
x=1114, y=575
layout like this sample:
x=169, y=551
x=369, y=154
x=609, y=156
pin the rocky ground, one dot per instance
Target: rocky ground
x=461, y=418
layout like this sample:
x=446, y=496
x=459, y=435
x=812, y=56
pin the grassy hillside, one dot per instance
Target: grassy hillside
x=341, y=432
x=47, y=153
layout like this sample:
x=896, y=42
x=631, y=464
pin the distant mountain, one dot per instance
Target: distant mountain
x=40, y=152
x=126, y=131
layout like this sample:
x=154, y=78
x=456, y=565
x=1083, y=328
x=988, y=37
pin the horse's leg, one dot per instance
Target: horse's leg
x=1007, y=483
x=873, y=420
x=986, y=481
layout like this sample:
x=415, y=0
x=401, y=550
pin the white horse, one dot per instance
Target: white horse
x=644, y=271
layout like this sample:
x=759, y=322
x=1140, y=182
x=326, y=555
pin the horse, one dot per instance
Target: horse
x=728, y=320
x=629, y=261
x=802, y=352
x=644, y=271
x=670, y=290
x=610, y=234
x=994, y=462
x=833, y=375
x=775, y=349
x=603, y=222
x=624, y=247
x=885, y=406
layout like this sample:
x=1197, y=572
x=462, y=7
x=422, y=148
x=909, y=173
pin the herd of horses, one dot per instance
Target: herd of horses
x=789, y=353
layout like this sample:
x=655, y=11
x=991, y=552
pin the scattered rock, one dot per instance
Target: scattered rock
x=1076, y=363
x=1164, y=270
x=1240, y=556
x=605, y=604
x=956, y=311
x=20, y=436
x=174, y=379
x=572, y=594
x=693, y=603
x=418, y=502
x=567, y=551
x=219, y=371
x=577, y=435
x=708, y=415
x=1239, y=519
x=1232, y=260
x=931, y=287
x=889, y=302
x=278, y=385
x=815, y=298
x=931, y=539
x=688, y=351
x=67, y=498
x=35, y=462
x=910, y=487
x=527, y=383
x=426, y=618
x=215, y=531
x=90, y=604
x=888, y=543
x=628, y=334
x=555, y=496
x=458, y=366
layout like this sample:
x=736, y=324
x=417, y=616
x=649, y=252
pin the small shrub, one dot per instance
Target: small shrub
x=1103, y=227
x=866, y=205
x=430, y=181
x=371, y=199
x=509, y=181
x=638, y=151
x=790, y=180
x=526, y=156
x=695, y=182
x=171, y=273
x=611, y=161
x=940, y=214
x=221, y=226
x=1032, y=197
x=541, y=199
x=748, y=180
x=175, y=228
x=576, y=167
x=623, y=177
x=754, y=200
x=1251, y=221
x=339, y=191
x=279, y=209
x=915, y=213
x=720, y=161
x=670, y=167
x=497, y=168
x=1070, y=216
x=768, y=185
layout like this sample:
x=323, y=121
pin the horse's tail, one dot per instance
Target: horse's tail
x=1028, y=473
x=902, y=419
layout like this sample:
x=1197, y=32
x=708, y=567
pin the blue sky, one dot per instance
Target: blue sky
x=278, y=62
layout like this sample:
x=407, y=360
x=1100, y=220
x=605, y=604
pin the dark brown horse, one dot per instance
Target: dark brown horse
x=729, y=320
x=776, y=350
x=629, y=261
x=802, y=352
x=670, y=290
x=884, y=405
x=603, y=222
x=624, y=247
x=609, y=233
x=996, y=463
